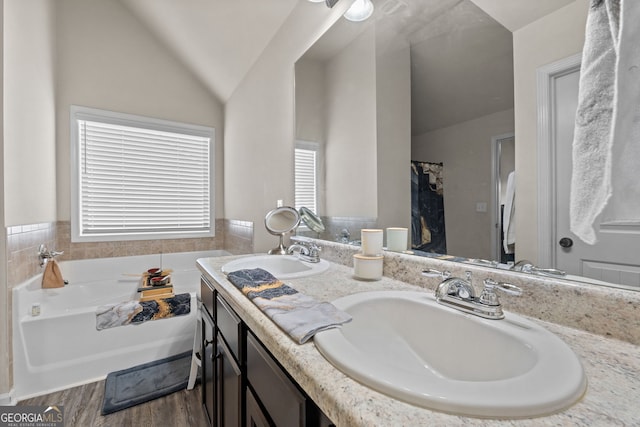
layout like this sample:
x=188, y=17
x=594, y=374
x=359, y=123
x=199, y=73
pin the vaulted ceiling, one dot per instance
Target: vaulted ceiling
x=219, y=40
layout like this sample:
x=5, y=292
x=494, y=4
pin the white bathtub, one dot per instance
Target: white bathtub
x=62, y=348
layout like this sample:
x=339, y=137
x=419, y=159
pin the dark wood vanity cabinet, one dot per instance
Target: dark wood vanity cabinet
x=243, y=385
x=222, y=385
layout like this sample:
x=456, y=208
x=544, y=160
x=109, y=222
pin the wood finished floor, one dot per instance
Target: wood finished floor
x=82, y=407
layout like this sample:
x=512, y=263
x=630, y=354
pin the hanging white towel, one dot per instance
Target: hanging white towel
x=591, y=174
x=508, y=215
x=624, y=205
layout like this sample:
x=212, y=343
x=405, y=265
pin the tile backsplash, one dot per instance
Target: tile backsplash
x=23, y=242
x=22, y=250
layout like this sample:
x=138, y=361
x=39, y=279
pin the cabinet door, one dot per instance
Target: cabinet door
x=230, y=326
x=282, y=400
x=255, y=417
x=230, y=387
x=209, y=389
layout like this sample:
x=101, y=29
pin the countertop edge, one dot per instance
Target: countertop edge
x=612, y=369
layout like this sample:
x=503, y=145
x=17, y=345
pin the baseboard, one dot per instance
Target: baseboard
x=6, y=399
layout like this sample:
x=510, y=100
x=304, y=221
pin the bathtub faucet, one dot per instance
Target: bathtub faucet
x=45, y=254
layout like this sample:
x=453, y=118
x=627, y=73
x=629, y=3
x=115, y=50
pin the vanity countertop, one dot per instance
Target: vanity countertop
x=612, y=367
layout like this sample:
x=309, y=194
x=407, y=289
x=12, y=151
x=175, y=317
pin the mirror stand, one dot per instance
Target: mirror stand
x=281, y=249
x=278, y=222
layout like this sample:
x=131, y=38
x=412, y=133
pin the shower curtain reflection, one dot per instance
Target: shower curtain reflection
x=427, y=208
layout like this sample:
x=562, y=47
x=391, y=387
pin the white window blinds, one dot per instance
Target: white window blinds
x=142, y=181
x=306, y=178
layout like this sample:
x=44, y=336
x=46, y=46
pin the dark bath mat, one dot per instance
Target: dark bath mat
x=133, y=386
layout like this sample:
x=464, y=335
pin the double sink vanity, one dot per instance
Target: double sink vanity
x=405, y=360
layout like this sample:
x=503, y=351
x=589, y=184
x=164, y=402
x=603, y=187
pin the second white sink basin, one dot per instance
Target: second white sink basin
x=281, y=266
x=407, y=346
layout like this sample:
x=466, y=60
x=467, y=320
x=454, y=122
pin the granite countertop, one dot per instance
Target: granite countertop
x=612, y=366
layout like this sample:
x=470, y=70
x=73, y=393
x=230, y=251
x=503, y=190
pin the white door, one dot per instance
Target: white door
x=615, y=258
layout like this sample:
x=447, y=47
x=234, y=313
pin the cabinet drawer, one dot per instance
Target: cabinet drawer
x=282, y=400
x=230, y=326
x=207, y=296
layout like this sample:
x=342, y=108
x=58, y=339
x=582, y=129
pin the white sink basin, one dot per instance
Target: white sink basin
x=281, y=266
x=407, y=346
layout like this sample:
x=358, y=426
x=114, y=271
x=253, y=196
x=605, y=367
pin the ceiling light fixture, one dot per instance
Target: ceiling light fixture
x=360, y=10
x=329, y=3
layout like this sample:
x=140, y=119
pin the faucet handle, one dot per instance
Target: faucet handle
x=314, y=249
x=488, y=295
x=431, y=272
x=44, y=254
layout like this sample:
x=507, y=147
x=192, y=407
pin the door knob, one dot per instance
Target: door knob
x=566, y=242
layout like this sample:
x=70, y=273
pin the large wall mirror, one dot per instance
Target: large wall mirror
x=420, y=95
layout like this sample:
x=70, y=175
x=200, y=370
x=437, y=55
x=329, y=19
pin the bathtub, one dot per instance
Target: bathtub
x=61, y=347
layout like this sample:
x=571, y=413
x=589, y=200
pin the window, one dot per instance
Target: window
x=306, y=175
x=139, y=178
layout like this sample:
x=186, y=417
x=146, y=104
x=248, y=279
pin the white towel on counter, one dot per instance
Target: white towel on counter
x=509, y=215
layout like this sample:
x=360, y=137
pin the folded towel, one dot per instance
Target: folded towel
x=136, y=312
x=297, y=314
x=112, y=315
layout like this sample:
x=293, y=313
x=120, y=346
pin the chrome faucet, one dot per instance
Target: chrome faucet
x=527, y=267
x=306, y=249
x=44, y=254
x=460, y=294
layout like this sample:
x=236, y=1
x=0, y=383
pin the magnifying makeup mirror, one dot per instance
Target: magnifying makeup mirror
x=311, y=220
x=280, y=221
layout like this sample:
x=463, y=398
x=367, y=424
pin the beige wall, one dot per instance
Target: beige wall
x=107, y=59
x=554, y=37
x=350, y=150
x=29, y=116
x=465, y=151
x=310, y=120
x=393, y=119
x=259, y=122
x=28, y=172
x=5, y=316
x=310, y=101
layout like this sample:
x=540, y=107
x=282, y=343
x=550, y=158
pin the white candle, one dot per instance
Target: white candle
x=371, y=241
x=367, y=267
x=397, y=239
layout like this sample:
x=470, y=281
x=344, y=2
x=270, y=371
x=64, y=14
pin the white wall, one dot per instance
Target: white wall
x=107, y=59
x=28, y=120
x=554, y=37
x=350, y=151
x=29, y=112
x=5, y=317
x=393, y=119
x=259, y=121
x=465, y=151
x=310, y=91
